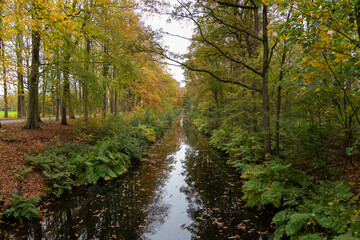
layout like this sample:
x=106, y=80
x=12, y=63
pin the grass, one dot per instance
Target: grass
x=12, y=114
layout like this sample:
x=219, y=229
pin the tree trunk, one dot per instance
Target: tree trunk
x=112, y=101
x=265, y=87
x=32, y=119
x=278, y=106
x=85, y=87
x=76, y=98
x=104, y=108
x=6, y=102
x=105, y=75
x=44, y=86
x=116, y=102
x=20, y=86
x=57, y=94
x=66, y=91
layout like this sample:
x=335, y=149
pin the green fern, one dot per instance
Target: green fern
x=21, y=208
x=57, y=169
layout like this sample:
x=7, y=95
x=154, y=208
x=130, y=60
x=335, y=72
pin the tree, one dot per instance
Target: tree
x=231, y=32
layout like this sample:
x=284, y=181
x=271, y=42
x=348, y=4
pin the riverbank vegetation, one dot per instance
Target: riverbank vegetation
x=275, y=85
x=104, y=149
x=83, y=59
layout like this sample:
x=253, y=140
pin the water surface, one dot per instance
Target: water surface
x=183, y=190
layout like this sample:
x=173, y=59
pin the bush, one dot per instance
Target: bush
x=56, y=168
x=275, y=182
x=242, y=146
x=331, y=213
x=104, y=160
x=21, y=208
x=309, y=209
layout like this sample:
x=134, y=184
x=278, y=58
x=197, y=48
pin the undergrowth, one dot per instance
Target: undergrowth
x=22, y=208
x=308, y=206
x=110, y=146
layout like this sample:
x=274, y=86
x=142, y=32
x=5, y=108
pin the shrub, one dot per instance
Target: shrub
x=332, y=213
x=275, y=183
x=21, y=208
x=56, y=168
x=242, y=146
x=104, y=160
x=309, y=209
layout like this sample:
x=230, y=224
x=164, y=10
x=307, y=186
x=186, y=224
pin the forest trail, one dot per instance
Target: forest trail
x=4, y=121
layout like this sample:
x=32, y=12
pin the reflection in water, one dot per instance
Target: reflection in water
x=183, y=191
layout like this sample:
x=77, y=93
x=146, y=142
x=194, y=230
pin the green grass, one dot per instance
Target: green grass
x=11, y=114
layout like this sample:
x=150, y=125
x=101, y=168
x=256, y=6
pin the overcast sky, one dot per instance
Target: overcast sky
x=175, y=44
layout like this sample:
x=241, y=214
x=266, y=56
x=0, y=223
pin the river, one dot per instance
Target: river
x=182, y=190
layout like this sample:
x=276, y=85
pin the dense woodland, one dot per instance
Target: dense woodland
x=78, y=58
x=275, y=85
x=272, y=82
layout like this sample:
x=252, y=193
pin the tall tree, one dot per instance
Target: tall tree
x=33, y=106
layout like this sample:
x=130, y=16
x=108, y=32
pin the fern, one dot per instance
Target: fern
x=102, y=161
x=296, y=222
x=315, y=236
x=21, y=208
x=57, y=169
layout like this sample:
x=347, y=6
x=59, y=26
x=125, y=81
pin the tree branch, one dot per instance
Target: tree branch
x=217, y=48
x=235, y=5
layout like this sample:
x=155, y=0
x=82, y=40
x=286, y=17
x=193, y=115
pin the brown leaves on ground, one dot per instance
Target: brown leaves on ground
x=15, y=144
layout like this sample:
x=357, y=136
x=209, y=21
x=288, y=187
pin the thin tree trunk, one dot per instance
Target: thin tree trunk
x=265, y=87
x=44, y=86
x=2, y=44
x=85, y=87
x=116, y=102
x=6, y=102
x=57, y=94
x=112, y=101
x=105, y=75
x=66, y=90
x=20, y=86
x=76, y=98
x=278, y=106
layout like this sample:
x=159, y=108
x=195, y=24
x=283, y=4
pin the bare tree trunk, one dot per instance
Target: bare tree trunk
x=85, y=88
x=66, y=90
x=20, y=86
x=32, y=120
x=57, y=94
x=1, y=40
x=104, y=108
x=278, y=107
x=44, y=86
x=265, y=87
x=6, y=102
x=112, y=101
x=116, y=102
x=76, y=98
x=105, y=75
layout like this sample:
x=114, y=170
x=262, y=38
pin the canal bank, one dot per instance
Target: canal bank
x=184, y=190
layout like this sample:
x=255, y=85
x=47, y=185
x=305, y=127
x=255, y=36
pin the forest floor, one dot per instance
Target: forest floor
x=15, y=144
